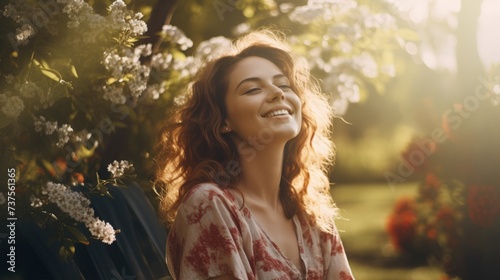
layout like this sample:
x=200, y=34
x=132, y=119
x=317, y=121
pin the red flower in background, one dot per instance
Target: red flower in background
x=430, y=189
x=446, y=218
x=401, y=224
x=78, y=177
x=483, y=204
x=416, y=155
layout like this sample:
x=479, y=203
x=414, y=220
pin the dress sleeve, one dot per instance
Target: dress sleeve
x=205, y=239
x=338, y=267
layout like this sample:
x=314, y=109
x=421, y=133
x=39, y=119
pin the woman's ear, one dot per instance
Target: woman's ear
x=225, y=129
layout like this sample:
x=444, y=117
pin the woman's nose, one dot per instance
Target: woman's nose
x=277, y=93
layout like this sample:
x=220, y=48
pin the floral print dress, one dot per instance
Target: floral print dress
x=214, y=235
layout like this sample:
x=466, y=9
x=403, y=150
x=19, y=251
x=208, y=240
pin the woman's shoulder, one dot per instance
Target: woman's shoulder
x=208, y=193
x=208, y=203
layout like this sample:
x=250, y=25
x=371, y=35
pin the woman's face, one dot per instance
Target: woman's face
x=261, y=106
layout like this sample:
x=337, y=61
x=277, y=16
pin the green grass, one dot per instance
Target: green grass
x=365, y=208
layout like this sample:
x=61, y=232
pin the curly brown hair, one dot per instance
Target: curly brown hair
x=192, y=149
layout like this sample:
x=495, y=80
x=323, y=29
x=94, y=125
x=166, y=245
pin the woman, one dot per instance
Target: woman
x=242, y=170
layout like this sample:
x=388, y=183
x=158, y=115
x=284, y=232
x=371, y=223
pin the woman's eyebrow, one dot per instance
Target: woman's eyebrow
x=279, y=76
x=251, y=79
x=257, y=79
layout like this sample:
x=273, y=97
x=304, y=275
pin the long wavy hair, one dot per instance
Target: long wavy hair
x=191, y=148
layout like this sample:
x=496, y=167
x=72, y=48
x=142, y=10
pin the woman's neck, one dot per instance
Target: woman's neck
x=261, y=176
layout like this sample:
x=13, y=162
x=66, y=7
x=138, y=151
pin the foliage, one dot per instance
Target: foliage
x=72, y=78
x=79, y=89
x=351, y=46
x=427, y=225
x=455, y=217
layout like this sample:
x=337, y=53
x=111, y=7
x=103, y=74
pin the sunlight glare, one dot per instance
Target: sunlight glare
x=488, y=44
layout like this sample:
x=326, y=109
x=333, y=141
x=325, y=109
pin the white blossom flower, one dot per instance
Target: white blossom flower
x=379, y=21
x=77, y=11
x=143, y=50
x=367, y=64
x=23, y=33
x=126, y=63
x=325, y=2
x=13, y=107
x=30, y=89
x=241, y=29
x=114, y=94
x=180, y=99
x=118, y=169
x=47, y=126
x=72, y=203
x=96, y=21
x=114, y=64
x=120, y=18
x=154, y=91
x=309, y=13
x=102, y=230
x=9, y=11
x=339, y=6
x=496, y=89
x=162, y=61
x=212, y=48
x=117, y=6
x=39, y=124
x=64, y=132
x=138, y=26
x=138, y=83
x=339, y=106
x=35, y=202
x=78, y=207
x=348, y=89
x=50, y=127
x=176, y=36
x=187, y=67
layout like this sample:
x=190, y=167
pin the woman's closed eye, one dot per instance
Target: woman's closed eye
x=252, y=90
x=285, y=87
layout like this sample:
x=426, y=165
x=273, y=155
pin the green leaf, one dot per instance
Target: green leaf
x=67, y=250
x=79, y=236
x=249, y=12
x=44, y=64
x=49, y=167
x=63, y=254
x=132, y=40
x=83, y=152
x=111, y=81
x=103, y=190
x=45, y=69
x=73, y=71
x=51, y=74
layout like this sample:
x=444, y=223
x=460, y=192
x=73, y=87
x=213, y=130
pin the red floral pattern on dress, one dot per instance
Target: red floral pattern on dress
x=213, y=235
x=209, y=248
x=337, y=247
x=345, y=276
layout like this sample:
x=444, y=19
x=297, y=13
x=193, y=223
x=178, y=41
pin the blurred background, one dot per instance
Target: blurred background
x=415, y=86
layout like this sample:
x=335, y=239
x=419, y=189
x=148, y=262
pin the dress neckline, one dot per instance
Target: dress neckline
x=298, y=232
